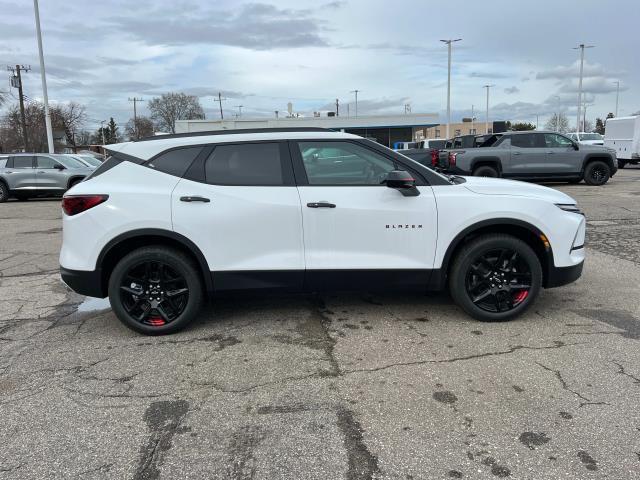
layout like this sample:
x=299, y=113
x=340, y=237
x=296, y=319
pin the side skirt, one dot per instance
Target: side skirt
x=324, y=280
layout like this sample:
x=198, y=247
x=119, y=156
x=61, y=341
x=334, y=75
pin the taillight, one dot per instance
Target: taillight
x=452, y=157
x=74, y=204
x=434, y=157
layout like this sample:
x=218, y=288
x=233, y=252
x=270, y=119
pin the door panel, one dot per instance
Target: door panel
x=241, y=228
x=371, y=227
x=48, y=177
x=562, y=157
x=21, y=176
x=528, y=155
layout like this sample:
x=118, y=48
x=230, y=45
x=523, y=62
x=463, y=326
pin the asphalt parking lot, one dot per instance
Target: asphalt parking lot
x=354, y=386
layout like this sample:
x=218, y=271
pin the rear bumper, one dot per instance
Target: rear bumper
x=87, y=283
x=558, y=276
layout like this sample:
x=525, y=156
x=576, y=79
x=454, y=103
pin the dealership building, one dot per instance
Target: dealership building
x=384, y=129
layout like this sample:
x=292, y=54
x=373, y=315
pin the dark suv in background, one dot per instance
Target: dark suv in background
x=533, y=155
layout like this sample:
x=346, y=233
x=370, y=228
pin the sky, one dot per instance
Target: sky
x=264, y=54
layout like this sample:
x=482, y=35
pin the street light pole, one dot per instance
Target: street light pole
x=45, y=97
x=580, y=47
x=449, y=42
x=486, y=126
x=617, y=82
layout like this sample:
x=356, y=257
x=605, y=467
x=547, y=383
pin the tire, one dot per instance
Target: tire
x=622, y=164
x=132, y=285
x=472, y=277
x=486, y=171
x=597, y=173
x=4, y=192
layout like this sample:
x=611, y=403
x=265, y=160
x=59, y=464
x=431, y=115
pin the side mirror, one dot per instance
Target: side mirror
x=402, y=181
x=57, y=166
x=576, y=146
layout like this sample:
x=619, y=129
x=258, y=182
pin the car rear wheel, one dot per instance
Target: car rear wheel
x=495, y=277
x=486, y=171
x=597, y=173
x=4, y=192
x=156, y=290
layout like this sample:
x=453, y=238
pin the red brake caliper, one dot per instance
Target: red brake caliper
x=156, y=321
x=521, y=295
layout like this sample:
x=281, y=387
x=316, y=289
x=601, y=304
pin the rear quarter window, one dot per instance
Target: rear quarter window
x=3, y=162
x=175, y=162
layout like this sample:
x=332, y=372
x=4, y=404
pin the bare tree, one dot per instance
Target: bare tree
x=558, y=123
x=168, y=108
x=68, y=118
x=143, y=127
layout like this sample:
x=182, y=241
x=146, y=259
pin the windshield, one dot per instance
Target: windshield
x=590, y=136
x=70, y=162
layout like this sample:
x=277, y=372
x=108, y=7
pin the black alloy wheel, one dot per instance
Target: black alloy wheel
x=495, y=277
x=597, y=173
x=153, y=293
x=156, y=290
x=498, y=280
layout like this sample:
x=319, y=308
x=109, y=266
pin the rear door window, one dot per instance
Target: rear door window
x=250, y=164
x=22, y=162
x=528, y=140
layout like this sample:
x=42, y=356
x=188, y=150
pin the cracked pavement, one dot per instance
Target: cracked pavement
x=353, y=386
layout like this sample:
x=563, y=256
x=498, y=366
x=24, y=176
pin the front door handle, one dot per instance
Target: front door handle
x=551, y=152
x=191, y=198
x=322, y=204
x=516, y=153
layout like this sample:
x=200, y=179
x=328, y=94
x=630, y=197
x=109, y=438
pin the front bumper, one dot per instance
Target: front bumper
x=88, y=283
x=558, y=276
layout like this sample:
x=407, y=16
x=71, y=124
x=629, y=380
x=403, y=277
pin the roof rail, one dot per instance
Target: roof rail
x=234, y=132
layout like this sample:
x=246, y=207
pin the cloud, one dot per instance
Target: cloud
x=562, y=72
x=591, y=85
x=488, y=75
x=255, y=26
x=511, y=90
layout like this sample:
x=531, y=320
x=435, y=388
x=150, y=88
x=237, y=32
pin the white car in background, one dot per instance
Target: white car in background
x=586, y=138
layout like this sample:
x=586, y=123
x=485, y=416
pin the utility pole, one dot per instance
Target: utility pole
x=537, y=120
x=356, y=92
x=135, y=115
x=277, y=114
x=617, y=82
x=557, y=114
x=18, y=83
x=43, y=76
x=449, y=42
x=580, y=47
x=486, y=126
x=239, y=107
x=220, y=100
x=337, y=107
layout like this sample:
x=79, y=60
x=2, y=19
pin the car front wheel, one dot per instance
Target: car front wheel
x=156, y=290
x=4, y=192
x=495, y=277
x=597, y=173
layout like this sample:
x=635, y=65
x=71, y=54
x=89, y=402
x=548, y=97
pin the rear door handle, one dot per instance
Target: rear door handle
x=194, y=199
x=517, y=153
x=551, y=153
x=321, y=205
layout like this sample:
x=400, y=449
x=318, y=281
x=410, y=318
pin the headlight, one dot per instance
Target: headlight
x=569, y=207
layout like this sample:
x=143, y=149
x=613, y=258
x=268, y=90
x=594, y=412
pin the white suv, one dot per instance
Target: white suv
x=167, y=220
